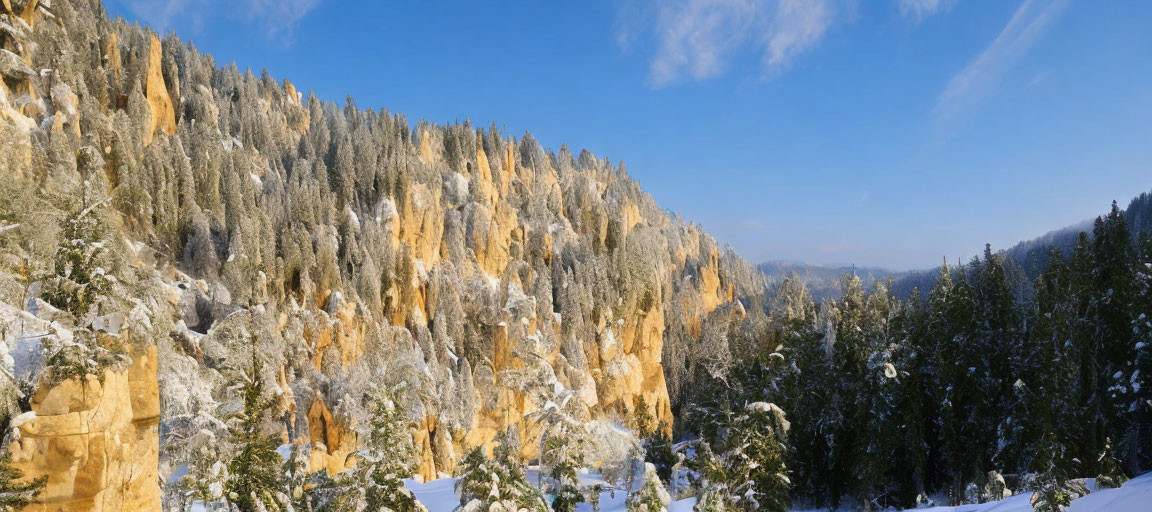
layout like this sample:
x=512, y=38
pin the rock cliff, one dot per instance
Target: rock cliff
x=473, y=271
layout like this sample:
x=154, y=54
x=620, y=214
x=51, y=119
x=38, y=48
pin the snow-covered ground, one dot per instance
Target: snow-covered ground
x=1134, y=496
x=439, y=496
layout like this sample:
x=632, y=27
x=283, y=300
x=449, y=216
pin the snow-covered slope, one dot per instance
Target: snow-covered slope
x=1134, y=496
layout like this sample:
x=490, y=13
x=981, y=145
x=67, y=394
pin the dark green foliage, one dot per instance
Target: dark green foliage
x=988, y=374
x=658, y=452
x=499, y=479
x=1054, y=491
x=384, y=460
x=79, y=275
x=254, y=478
x=749, y=472
x=15, y=490
x=651, y=497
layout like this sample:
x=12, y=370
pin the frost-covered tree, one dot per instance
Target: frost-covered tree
x=652, y=496
x=562, y=438
x=1110, y=473
x=497, y=483
x=383, y=461
x=254, y=483
x=756, y=458
x=80, y=276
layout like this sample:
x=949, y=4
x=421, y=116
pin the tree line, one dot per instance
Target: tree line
x=983, y=383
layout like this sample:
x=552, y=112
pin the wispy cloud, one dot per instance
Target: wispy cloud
x=278, y=18
x=697, y=39
x=972, y=86
x=920, y=9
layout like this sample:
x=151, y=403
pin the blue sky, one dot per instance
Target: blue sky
x=881, y=132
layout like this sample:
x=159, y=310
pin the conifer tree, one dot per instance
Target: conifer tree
x=658, y=451
x=1054, y=491
x=497, y=483
x=254, y=481
x=383, y=461
x=79, y=277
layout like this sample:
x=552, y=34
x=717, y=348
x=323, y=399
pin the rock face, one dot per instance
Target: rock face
x=96, y=439
x=161, y=110
x=476, y=273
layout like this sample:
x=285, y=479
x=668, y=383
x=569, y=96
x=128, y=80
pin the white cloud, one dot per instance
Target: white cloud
x=979, y=79
x=277, y=17
x=698, y=38
x=799, y=24
x=920, y=9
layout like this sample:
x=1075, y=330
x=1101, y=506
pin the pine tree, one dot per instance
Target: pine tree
x=496, y=483
x=297, y=476
x=1134, y=446
x=756, y=459
x=383, y=461
x=15, y=491
x=1114, y=280
x=254, y=480
x=652, y=497
x=1054, y=491
x=562, y=438
x=206, y=478
x=750, y=474
x=658, y=451
x=564, y=483
x=1110, y=473
x=79, y=277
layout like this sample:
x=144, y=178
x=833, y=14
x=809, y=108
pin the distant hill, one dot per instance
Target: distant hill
x=823, y=281
x=1031, y=255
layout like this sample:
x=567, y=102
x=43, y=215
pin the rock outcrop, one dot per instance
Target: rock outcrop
x=96, y=439
x=161, y=110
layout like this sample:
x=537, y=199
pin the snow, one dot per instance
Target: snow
x=22, y=419
x=1134, y=496
x=440, y=495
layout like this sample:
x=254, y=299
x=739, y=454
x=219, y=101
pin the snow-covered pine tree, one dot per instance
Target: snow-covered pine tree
x=296, y=475
x=652, y=497
x=562, y=437
x=756, y=458
x=79, y=276
x=712, y=494
x=383, y=461
x=658, y=451
x=564, y=483
x=207, y=474
x=1134, y=447
x=1110, y=475
x=254, y=482
x=497, y=483
x=1053, y=491
x=806, y=388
